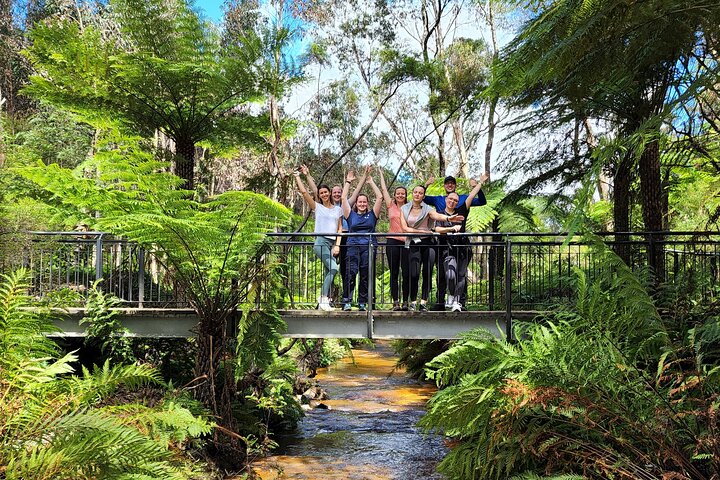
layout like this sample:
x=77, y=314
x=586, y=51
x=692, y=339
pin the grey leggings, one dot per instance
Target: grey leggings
x=323, y=250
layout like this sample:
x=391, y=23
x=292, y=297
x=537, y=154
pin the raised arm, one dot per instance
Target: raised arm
x=384, y=190
x=478, y=199
x=301, y=186
x=475, y=190
x=378, y=197
x=346, y=188
x=356, y=192
x=312, y=186
x=430, y=181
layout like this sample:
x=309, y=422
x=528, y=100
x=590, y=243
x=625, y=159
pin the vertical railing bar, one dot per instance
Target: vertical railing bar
x=370, y=287
x=508, y=289
x=141, y=276
x=98, y=257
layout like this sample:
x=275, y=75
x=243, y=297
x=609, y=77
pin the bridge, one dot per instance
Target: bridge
x=510, y=277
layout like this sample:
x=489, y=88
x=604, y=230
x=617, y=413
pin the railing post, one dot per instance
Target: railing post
x=508, y=289
x=492, y=253
x=99, y=257
x=371, y=285
x=141, y=276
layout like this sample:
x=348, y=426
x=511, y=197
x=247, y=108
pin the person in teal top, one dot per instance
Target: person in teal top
x=360, y=219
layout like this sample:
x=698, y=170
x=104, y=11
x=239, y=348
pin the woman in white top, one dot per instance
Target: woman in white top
x=327, y=244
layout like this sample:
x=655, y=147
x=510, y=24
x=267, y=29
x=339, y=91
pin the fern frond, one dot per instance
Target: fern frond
x=103, y=381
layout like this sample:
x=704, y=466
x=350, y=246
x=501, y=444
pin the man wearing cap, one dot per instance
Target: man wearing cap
x=438, y=201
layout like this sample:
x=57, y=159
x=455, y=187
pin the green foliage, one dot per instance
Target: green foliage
x=598, y=390
x=325, y=352
x=104, y=329
x=55, y=137
x=415, y=354
x=213, y=249
x=205, y=242
x=693, y=199
x=57, y=425
x=160, y=67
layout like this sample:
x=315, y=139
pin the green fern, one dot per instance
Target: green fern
x=54, y=425
x=575, y=393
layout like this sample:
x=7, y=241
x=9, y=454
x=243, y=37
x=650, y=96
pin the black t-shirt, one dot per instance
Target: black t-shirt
x=450, y=238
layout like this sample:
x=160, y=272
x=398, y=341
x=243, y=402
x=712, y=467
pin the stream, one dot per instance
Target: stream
x=369, y=430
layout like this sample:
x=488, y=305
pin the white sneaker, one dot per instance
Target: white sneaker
x=324, y=304
x=456, y=307
x=450, y=301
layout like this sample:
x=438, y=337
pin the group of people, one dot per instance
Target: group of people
x=422, y=231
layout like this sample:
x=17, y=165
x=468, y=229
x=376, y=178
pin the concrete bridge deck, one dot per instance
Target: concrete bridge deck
x=378, y=324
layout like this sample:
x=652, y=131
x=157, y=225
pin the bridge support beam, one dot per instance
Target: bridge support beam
x=158, y=323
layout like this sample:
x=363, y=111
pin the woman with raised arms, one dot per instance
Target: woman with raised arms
x=360, y=219
x=416, y=218
x=328, y=223
x=395, y=249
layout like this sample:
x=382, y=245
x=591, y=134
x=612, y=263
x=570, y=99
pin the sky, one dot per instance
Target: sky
x=211, y=8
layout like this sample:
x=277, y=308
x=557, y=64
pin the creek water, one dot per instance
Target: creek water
x=369, y=430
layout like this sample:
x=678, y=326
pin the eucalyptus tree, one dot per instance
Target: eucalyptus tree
x=157, y=65
x=619, y=63
x=420, y=46
x=279, y=70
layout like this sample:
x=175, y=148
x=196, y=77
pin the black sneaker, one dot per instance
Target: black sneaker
x=404, y=307
x=422, y=308
x=396, y=307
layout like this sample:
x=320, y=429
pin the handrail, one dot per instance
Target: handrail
x=508, y=270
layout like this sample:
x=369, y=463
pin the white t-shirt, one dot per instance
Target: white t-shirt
x=326, y=220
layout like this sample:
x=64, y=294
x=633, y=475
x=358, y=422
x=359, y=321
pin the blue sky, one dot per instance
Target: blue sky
x=211, y=8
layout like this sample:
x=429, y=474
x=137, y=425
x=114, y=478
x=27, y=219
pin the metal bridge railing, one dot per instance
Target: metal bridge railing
x=516, y=271
x=521, y=270
x=68, y=264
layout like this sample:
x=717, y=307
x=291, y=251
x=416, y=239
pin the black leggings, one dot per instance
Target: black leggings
x=452, y=272
x=422, y=255
x=398, y=259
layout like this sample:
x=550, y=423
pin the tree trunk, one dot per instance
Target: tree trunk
x=185, y=161
x=442, y=164
x=276, y=168
x=7, y=82
x=216, y=388
x=2, y=135
x=652, y=206
x=458, y=132
x=621, y=205
x=494, y=100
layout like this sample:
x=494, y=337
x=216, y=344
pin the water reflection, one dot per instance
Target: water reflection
x=369, y=431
